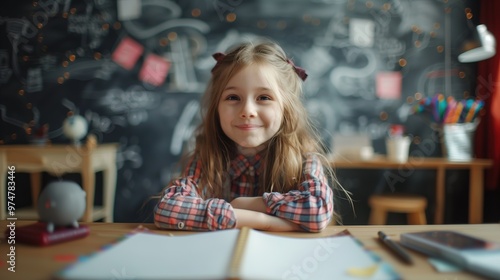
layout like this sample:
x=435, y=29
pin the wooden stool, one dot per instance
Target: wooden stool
x=413, y=205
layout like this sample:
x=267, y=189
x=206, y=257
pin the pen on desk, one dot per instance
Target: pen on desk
x=394, y=247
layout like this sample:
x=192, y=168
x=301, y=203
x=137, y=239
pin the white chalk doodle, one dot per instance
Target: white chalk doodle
x=184, y=128
x=355, y=81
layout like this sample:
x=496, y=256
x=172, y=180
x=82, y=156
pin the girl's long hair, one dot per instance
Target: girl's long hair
x=282, y=160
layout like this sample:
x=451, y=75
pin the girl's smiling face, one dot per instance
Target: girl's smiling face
x=250, y=109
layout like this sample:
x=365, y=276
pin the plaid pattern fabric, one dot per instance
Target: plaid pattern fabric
x=310, y=205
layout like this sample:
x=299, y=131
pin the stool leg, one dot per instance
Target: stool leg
x=417, y=218
x=377, y=216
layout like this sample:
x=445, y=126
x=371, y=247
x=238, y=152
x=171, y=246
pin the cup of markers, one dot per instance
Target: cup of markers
x=457, y=120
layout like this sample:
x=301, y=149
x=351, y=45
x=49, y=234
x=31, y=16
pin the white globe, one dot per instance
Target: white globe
x=75, y=127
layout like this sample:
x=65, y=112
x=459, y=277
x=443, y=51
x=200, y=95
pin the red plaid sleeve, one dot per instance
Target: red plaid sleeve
x=311, y=204
x=181, y=206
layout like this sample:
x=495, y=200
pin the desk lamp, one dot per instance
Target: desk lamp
x=480, y=48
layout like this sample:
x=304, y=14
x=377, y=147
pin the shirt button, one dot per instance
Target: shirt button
x=180, y=225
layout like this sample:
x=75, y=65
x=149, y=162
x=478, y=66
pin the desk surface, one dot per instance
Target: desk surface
x=379, y=162
x=400, y=171
x=42, y=262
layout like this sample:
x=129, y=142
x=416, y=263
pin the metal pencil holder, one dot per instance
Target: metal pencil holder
x=458, y=141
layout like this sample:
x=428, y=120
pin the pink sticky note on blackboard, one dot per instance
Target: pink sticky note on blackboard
x=127, y=53
x=154, y=70
x=388, y=85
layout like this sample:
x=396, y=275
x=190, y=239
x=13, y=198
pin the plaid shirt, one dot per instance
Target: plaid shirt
x=310, y=205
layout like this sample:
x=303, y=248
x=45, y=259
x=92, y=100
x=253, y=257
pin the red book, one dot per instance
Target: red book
x=37, y=234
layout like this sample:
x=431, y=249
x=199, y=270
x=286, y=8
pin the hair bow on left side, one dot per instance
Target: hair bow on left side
x=300, y=71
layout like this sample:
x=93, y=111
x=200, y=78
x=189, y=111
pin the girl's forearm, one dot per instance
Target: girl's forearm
x=250, y=203
x=261, y=221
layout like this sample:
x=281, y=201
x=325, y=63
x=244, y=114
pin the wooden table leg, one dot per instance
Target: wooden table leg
x=88, y=182
x=440, y=195
x=109, y=188
x=36, y=184
x=476, y=193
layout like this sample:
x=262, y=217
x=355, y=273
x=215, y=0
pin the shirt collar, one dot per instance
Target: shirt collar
x=240, y=164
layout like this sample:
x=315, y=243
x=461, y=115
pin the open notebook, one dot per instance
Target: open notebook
x=231, y=254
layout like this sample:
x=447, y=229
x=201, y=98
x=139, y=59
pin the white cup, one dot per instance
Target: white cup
x=398, y=148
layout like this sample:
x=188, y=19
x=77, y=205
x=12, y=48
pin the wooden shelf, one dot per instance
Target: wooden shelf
x=30, y=213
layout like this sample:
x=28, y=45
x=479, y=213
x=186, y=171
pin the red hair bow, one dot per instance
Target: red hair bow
x=218, y=57
x=300, y=71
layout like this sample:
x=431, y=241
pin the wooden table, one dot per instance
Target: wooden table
x=58, y=159
x=42, y=262
x=476, y=168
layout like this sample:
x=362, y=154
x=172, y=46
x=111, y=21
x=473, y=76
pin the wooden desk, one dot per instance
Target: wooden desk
x=476, y=180
x=57, y=160
x=41, y=262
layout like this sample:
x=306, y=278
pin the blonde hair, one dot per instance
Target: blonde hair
x=282, y=162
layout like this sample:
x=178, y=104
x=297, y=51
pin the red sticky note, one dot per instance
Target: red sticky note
x=127, y=53
x=154, y=70
x=388, y=85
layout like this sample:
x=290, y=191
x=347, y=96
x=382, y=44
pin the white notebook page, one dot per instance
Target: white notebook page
x=204, y=255
x=268, y=256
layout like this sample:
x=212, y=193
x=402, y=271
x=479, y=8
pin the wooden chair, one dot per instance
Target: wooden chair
x=413, y=205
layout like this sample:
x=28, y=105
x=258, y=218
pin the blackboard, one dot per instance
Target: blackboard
x=56, y=59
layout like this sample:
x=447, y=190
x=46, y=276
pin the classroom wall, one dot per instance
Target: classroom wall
x=368, y=63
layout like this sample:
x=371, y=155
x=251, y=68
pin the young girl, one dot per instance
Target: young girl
x=257, y=162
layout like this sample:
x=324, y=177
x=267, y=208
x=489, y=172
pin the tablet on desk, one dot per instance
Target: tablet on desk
x=474, y=254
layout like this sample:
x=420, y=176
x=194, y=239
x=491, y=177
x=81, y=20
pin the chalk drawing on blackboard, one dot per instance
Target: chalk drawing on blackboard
x=129, y=153
x=317, y=61
x=32, y=124
x=70, y=105
x=361, y=32
x=107, y=69
x=431, y=79
x=231, y=37
x=186, y=44
x=170, y=20
x=134, y=103
x=90, y=25
x=34, y=80
x=404, y=111
x=356, y=81
x=336, y=34
x=417, y=13
x=47, y=62
x=9, y=120
x=83, y=69
x=5, y=71
x=324, y=115
x=100, y=125
x=390, y=49
x=184, y=128
x=184, y=77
